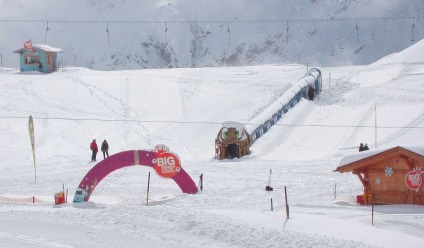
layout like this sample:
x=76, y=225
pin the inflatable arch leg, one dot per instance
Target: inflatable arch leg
x=125, y=159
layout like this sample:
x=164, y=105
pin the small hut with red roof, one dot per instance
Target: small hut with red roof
x=388, y=175
x=34, y=57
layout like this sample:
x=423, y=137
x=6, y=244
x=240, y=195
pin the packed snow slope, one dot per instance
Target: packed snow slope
x=136, y=34
x=183, y=109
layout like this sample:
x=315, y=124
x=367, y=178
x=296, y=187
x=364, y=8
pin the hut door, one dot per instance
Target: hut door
x=233, y=151
x=50, y=62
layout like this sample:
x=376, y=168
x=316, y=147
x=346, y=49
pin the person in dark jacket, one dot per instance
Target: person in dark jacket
x=366, y=147
x=311, y=93
x=105, y=149
x=361, y=147
x=40, y=67
x=94, y=149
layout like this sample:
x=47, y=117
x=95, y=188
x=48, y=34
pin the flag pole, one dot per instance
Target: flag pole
x=31, y=136
x=375, y=124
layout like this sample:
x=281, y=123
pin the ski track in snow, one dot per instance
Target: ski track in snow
x=103, y=97
x=27, y=241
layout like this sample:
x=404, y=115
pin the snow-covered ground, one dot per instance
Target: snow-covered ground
x=183, y=109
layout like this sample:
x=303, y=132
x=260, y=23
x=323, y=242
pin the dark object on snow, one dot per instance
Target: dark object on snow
x=268, y=187
x=94, y=149
x=311, y=93
x=366, y=147
x=233, y=151
x=105, y=149
x=40, y=67
x=362, y=147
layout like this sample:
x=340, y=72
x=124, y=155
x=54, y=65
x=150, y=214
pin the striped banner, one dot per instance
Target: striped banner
x=31, y=136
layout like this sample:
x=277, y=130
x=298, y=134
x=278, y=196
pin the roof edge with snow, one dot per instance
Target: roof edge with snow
x=45, y=48
x=368, y=158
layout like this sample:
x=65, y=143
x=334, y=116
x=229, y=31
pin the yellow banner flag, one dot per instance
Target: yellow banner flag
x=31, y=136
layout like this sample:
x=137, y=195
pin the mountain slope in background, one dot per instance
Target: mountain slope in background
x=128, y=34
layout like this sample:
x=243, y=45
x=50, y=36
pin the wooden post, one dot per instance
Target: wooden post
x=375, y=125
x=201, y=182
x=335, y=190
x=287, y=205
x=272, y=207
x=372, y=213
x=33, y=199
x=148, y=188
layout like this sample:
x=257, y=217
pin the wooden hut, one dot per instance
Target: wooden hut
x=232, y=141
x=34, y=57
x=389, y=176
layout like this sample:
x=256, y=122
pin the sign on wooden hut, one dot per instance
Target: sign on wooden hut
x=388, y=175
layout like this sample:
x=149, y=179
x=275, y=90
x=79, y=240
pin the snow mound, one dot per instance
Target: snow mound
x=412, y=54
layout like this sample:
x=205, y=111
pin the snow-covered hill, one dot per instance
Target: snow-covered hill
x=183, y=108
x=134, y=34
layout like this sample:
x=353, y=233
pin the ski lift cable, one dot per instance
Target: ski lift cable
x=326, y=45
x=204, y=21
x=346, y=37
x=341, y=38
x=407, y=15
x=207, y=122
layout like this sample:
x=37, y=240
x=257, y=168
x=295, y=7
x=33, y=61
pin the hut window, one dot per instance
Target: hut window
x=32, y=58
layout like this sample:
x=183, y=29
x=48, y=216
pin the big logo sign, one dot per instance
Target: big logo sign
x=166, y=164
x=28, y=45
x=414, y=180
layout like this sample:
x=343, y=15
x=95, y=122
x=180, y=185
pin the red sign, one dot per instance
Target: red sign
x=414, y=180
x=166, y=164
x=28, y=45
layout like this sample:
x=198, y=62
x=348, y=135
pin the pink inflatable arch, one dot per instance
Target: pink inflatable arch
x=155, y=159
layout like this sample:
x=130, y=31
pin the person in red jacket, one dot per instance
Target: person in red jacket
x=94, y=149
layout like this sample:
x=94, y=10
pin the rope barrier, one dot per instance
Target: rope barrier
x=22, y=200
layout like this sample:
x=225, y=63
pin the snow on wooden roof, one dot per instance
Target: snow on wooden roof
x=234, y=124
x=365, y=158
x=45, y=48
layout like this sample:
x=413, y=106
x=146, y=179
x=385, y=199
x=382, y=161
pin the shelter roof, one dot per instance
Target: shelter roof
x=370, y=157
x=42, y=47
x=234, y=124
